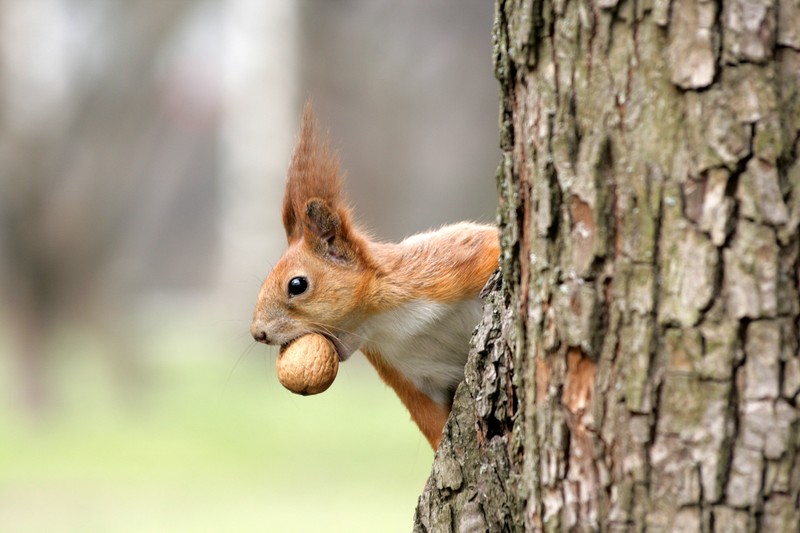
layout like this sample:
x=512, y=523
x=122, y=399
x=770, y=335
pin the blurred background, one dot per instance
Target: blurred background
x=143, y=146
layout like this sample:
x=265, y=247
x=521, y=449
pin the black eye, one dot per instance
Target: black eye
x=297, y=285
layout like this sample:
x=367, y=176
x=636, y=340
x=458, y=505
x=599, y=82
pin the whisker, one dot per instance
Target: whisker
x=238, y=361
x=330, y=331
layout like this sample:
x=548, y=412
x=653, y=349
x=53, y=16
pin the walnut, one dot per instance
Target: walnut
x=308, y=364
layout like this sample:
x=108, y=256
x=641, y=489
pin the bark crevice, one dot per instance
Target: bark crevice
x=638, y=368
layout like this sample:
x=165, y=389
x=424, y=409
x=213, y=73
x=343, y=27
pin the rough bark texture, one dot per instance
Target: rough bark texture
x=637, y=368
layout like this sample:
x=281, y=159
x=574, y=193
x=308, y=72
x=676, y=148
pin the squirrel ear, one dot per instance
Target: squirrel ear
x=327, y=232
x=313, y=173
x=290, y=223
x=321, y=221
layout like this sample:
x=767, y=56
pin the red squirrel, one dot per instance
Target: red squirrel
x=410, y=307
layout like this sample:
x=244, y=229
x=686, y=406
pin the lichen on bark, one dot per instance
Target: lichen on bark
x=638, y=366
x=458, y=496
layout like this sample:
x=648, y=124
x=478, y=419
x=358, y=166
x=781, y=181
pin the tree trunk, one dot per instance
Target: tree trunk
x=637, y=367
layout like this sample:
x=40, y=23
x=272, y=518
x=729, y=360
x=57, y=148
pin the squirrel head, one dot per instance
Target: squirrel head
x=320, y=282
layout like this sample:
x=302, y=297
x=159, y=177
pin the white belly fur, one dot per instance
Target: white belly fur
x=427, y=342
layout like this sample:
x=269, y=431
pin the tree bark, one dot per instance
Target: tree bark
x=637, y=368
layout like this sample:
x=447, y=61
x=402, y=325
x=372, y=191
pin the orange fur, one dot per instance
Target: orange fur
x=427, y=414
x=360, y=290
x=313, y=172
x=447, y=265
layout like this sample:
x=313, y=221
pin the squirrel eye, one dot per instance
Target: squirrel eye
x=297, y=285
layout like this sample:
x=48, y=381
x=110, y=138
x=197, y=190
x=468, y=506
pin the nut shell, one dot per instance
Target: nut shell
x=308, y=365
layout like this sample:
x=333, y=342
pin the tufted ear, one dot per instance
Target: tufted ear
x=313, y=208
x=328, y=232
x=313, y=175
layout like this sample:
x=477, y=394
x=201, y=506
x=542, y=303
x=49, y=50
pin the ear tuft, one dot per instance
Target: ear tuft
x=313, y=173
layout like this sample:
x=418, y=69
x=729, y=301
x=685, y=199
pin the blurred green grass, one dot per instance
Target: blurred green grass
x=200, y=446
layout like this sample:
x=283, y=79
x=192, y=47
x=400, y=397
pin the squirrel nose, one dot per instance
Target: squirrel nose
x=258, y=333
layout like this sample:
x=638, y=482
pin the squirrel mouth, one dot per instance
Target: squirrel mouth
x=341, y=349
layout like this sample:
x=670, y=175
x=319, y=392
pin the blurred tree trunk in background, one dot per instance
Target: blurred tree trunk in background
x=77, y=140
x=406, y=89
x=637, y=367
